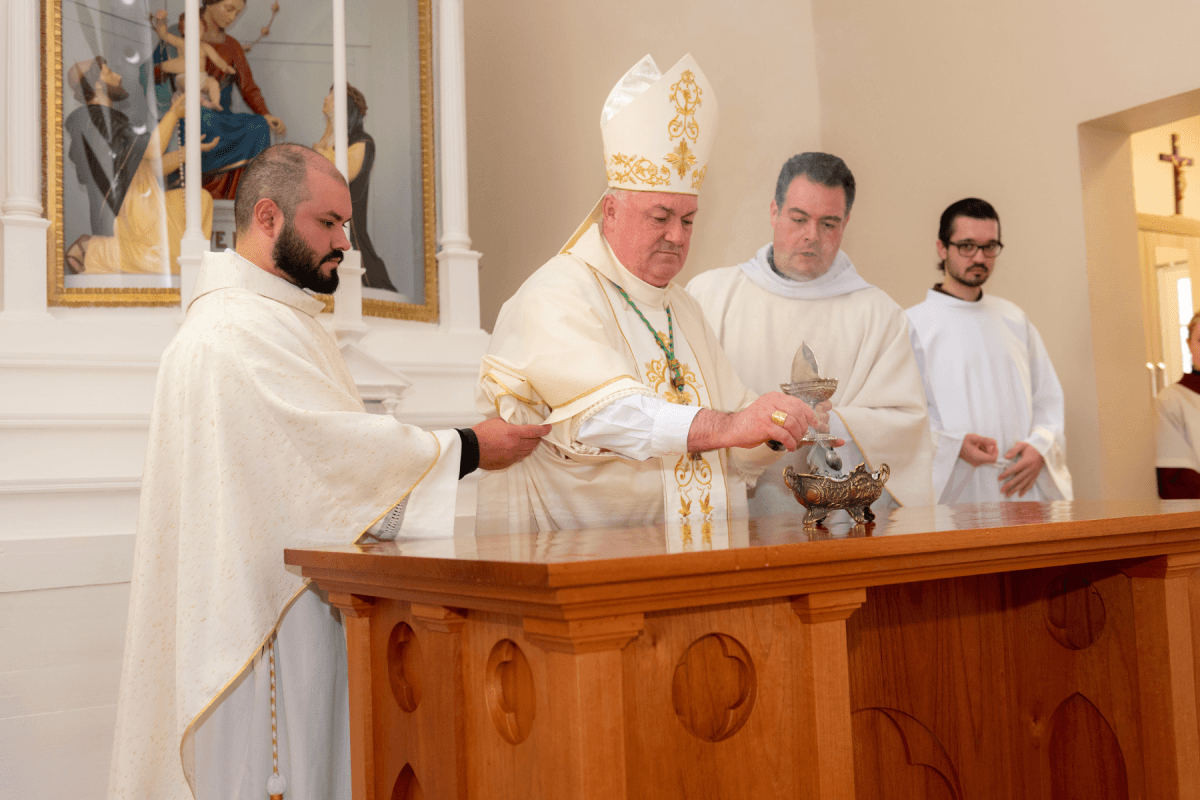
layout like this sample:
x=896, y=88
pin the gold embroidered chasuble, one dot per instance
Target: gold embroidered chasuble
x=258, y=442
x=567, y=344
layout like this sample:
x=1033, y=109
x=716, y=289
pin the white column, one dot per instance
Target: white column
x=458, y=264
x=348, y=323
x=24, y=225
x=193, y=244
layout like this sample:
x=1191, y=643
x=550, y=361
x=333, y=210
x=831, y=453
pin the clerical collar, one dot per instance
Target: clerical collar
x=937, y=287
x=771, y=263
x=1191, y=381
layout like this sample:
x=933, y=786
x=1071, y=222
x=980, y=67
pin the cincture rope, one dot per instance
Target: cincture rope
x=276, y=784
x=668, y=346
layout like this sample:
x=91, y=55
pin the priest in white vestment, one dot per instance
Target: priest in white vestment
x=802, y=289
x=234, y=676
x=995, y=403
x=650, y=422
x=1178, y=410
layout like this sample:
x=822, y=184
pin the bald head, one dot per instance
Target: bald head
x=279, y=174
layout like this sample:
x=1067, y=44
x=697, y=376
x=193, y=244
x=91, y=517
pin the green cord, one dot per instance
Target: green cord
x=667, y=347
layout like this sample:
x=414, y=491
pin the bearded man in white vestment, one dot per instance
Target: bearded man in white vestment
x=234, y=677
x=995, y=403
x=650, y=422
x=802, y=289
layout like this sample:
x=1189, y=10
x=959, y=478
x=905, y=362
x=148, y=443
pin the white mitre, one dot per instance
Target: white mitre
x=658, y=131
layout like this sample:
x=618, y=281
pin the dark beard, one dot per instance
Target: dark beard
x=117, y=93
x=297, y=260
x=972, y=281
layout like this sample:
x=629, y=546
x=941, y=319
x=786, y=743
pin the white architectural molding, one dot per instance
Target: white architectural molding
x=48, y=362
x=41, y=422
x=23, y=126
x=24, y=225
x=70, y=485
x=193, y=245
x=458, y=264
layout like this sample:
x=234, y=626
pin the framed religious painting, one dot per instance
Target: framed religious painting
x=113, y=108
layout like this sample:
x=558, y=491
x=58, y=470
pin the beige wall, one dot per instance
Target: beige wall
x=946, y=100
x=537, y=76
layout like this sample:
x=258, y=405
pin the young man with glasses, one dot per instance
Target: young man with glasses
x=995, y=403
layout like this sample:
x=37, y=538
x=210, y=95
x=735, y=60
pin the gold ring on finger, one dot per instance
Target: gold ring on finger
x=779, y=417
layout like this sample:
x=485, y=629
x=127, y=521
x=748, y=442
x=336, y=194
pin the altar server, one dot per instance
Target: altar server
x=995, y=403
x=603, y=345
x=801, y=288
x=258, y=442
x=1178, y=411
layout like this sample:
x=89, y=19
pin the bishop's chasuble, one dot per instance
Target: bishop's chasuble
x=258, y=442
x=987, y=372
x=859, y=336
x=566, y=344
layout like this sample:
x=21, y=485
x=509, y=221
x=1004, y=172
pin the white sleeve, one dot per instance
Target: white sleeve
x=639, y=426
x=428, y=511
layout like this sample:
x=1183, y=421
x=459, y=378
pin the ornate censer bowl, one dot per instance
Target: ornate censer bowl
x=821, y=494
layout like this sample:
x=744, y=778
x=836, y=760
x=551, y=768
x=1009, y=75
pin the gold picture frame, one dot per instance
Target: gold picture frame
x=55, y=166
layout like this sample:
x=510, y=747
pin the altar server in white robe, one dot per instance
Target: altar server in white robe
x=995, y=403
x=801, y=288
x=259, y=441
x=603, y=345
x=1178, y=411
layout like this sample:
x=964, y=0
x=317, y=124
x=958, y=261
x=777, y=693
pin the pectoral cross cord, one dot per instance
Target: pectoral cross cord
x=667, y=345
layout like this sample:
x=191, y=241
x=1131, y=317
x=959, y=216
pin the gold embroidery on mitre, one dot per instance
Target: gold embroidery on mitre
x=658, y=374
x=685, y=94
x=698, y=177
x=682, y=158
x=636, y=169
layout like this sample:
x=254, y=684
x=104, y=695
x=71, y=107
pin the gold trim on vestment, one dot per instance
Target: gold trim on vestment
x=279, y=619
x=594, y=388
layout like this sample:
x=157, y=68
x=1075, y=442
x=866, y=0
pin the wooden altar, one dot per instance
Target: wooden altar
x=1025, y=650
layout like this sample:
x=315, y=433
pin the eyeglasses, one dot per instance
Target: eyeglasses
x=967, y=249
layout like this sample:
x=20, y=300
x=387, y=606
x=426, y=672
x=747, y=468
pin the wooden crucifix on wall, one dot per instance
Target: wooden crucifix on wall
x=1178, y=162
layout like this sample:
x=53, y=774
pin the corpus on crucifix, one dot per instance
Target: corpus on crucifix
x=1178, y=162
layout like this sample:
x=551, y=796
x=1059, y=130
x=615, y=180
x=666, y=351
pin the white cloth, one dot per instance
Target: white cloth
x=639, y=426
x=987, y=372
x=258, y=442
x=859, y=336
x=1178, y=410
x=567, y=345
x=840, y=279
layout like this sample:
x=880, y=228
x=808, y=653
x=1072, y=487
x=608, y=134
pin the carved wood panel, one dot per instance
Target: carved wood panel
x=665, y=758
x=1021, y=684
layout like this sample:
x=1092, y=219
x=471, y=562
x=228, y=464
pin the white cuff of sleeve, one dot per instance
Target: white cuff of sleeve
x=639, y=426
x=672, y=423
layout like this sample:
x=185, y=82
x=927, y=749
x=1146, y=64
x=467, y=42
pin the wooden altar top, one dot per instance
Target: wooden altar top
x=621, y=570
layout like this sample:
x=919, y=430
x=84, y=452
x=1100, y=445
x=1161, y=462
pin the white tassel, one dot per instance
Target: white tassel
x=276, y=785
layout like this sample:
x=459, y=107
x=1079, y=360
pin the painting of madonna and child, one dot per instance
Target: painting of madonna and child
x=266, y=78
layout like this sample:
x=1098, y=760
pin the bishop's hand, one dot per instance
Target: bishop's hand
x=774, y=416
x=502, y=444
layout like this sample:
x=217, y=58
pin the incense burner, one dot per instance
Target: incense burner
x=854, y=493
